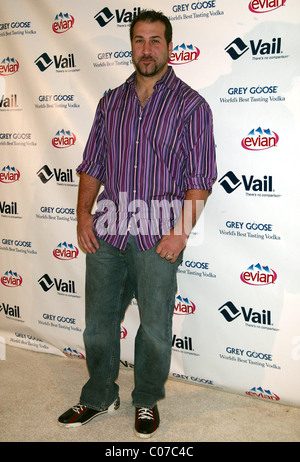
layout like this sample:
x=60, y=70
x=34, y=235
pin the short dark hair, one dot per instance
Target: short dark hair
x=153, y=16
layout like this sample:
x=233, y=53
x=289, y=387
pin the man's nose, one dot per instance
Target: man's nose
x=147, y=47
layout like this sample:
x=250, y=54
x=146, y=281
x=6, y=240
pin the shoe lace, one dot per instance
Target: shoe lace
x=145, y=413
x=78, y=408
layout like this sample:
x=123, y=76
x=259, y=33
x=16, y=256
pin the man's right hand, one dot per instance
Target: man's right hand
x=85, y=233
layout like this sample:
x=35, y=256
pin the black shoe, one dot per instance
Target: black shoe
x=80, y=414
x=146, y=421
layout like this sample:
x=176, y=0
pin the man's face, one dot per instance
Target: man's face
x=150, y=52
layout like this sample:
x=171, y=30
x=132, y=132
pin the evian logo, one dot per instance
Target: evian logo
x=258, y=275
x=259, y=139
x=183, y=54
x=70, y=352
x=65, y=251
x=62, y=23
x=184, y=306
x=123, y=332
x=63, y=139
x=9, y=175
x=11, y=279
x=261, y=393
x=9, y=66
x=265, y=6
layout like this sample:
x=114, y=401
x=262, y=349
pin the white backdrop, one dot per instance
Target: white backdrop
x=237, y=311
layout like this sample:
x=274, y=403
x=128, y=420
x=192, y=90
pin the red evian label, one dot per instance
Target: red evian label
x=11, y=279
x=259, y=392
x=184, y=306
x=9, y=175
x=123, y=332
x=258, y=275
x=63, y=139
x=260, y=139
x=65, y=251
x=265, y=6
x=9, y=66
x=184, y=54
x=62, y=23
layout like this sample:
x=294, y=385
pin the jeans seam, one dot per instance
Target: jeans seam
x=114, y=350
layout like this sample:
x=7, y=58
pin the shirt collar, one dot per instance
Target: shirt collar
x=168, y=79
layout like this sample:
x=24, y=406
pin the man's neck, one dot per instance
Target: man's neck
x=146, y=84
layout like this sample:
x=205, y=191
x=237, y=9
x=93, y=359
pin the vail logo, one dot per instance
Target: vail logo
x=9, y=175
x=259, y=139
x=44, y=61
x=63, y=139
x=65, y=251
x=238, y=47
x=9, y=101
x=64, y=176
x=230, y=182
x=182, y=343
x=47, y=283
x=62, y=23
x=9, y=66
x=258, y=275
x=230, y=313
x=184, y=54
x=11, y=311
x=184, y=306
x=11, y=279
x=265, y=6
x=261, y=393
x=9, y=209
x=105, y=16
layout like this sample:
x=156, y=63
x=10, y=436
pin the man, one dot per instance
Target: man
x=151, y=146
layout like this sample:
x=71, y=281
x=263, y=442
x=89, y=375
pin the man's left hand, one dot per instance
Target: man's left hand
x=171, y=245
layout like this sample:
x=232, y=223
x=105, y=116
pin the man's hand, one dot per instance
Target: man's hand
x=171, y=245
x=85, y=233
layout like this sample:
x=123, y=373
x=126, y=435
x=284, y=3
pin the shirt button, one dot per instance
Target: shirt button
x=135, y=166
x=134, y=191
x=137, y=142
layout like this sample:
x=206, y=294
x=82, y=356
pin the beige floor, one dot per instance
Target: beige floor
x=36, y=388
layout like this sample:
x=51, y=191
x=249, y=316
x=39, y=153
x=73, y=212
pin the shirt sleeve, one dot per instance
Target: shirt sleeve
x=95, y=151
x=199, y=146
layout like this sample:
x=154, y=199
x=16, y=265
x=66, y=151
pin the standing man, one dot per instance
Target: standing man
x=151, y=146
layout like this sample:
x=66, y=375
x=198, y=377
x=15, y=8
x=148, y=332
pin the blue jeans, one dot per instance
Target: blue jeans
x=113, y=278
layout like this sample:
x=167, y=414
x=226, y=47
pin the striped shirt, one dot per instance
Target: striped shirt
x=147, y=158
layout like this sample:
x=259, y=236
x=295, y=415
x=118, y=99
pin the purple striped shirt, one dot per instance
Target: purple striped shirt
x=147, y=158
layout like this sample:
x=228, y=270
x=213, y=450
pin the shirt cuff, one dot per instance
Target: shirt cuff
x=92, y=169
x=199, y=182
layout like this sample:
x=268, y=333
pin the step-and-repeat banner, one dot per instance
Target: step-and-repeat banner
x=237, y=310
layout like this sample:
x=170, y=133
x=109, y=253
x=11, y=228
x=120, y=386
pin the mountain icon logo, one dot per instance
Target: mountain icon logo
x=258, y=275
x=260, y=139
